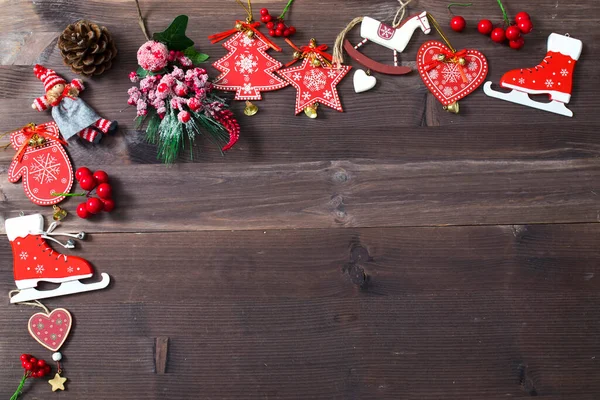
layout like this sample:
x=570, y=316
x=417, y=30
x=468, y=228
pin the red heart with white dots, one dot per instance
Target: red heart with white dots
x=51, y=330
x=450, y=81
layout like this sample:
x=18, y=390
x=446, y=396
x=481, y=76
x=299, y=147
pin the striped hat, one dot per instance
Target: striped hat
x=48, y=77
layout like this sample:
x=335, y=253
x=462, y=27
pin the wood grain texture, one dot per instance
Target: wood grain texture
x=394, y=251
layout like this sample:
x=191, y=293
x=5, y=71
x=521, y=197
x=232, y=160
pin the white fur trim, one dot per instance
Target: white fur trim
x=565, y=45
x=23, y=226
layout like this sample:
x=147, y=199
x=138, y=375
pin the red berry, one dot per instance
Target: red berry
x=88, y=182
x=522, y=16
x=94, y=205
x=525, y=26
x=41, y=363
x=81, y=172
x=101, y=176
x=278, y=32
x=104, y=191
x=263, y=19
x=33, y=360
x=268, y=18
x=264, y=11
x=513, y=33
x=270, y=25
x=109, y=204
x=38, y=374
x=27, y=365
x=292, y=30
x=517, y=44
x=498, y=35
x=25, y=357
x=82, y=211
x=485, y=27
x=458, y=23
x=47, y=369
x=281, y=26
x=272, y=32
x=286, y=33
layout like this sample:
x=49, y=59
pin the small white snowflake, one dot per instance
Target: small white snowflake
x=39, y=269
x=246, y=64
x=247, y=88
x=23, y=255
x=549, y=83
x=315, y=80
x=297, y=76
x=70, y=269
x=448, y=91
x=433, y=74
x=521, y=81
x=564, y=72
x=247, y=42
x=327, y=94
x=306, y=95
x=451, y=73
x=472, y=66
x=331, y=73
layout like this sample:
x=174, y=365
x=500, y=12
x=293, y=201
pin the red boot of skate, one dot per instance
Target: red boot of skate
x=553, y=76
x=35, y=261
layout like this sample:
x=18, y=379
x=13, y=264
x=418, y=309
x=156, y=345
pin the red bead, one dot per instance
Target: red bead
x=94, y=205
x=517, y=44
x=272, y=32
x=268, y=18
x=513, y=33
x=522, y=16
x=292, y=30
x=281, y=26
x=81, y=172
x=458, y=23
x=498, y=35
x=101, y=176
x=286, y=33
x=109, y=204
x=41, y=363
x=88, y=182
x=82, y=211
x=525, y=26
x=485, y=26
x=271, y=25
x=264, y=11
x=25, y=357
x=104, y=191
x=278, y=32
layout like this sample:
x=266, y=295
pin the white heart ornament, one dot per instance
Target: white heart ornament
x=363, y=82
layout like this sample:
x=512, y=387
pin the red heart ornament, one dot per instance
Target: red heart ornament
x=450, y=81
x=51, y=330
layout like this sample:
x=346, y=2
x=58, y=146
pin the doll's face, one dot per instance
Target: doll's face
x=57, y=89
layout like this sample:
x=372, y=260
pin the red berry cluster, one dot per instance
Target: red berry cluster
x=34, y=368
x=99, y=181
x=521, y=26
x=276, y=26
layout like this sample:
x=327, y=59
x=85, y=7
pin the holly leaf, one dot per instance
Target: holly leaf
x=195, y=56
x=142, y=73
x=174, y=36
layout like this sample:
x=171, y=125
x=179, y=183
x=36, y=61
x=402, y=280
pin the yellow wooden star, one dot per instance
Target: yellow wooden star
x=58, y=383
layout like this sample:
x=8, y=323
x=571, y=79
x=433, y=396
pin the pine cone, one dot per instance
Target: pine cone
x=87, y=48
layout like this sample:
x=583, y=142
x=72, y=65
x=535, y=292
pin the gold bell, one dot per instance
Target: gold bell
x=59, y=213
x=453, y=108
x=32, y=142
x=311, y=111
x=40, y=141
x=250, y=33
x=297, y=55
x=238, y=26
x=462, y=61
x=315, y=62
x=441, y=57
x=313, y=43
x=250, y=109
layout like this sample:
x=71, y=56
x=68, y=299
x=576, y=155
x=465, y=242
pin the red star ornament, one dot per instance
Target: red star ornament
x=247, y=69
x=315, y=84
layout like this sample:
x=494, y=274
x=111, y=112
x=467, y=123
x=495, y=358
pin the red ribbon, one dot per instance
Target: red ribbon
x=306, y=51
x=65, y=93
x=29, y=131
x=245, y=27
x=450, y=58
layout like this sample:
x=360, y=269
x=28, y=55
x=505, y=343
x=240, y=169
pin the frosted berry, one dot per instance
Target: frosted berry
x=109, y=204
x=517, y=44
x=458, y=23
x=94, y=205
x=513, y=33
x=525, y=26
x=82, y=211
x=81, y=172
x=88, y=182
x=101, y=176
x=498, y=35
x=485, y=27
x=522, y=16
x=104, y=191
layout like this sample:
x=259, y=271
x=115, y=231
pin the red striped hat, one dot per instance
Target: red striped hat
x=47, y=76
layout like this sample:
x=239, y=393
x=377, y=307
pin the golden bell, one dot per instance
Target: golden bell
x=313, y=43
x=297, y=55
x=59, y=213
x=41, y=141
x=238, y=26
x=462, y=61
x=32, y=142
x=311, y=111
x=453, y=108
x=250, y=33
x=441, y=57
x=315, y=62
x=250, y=109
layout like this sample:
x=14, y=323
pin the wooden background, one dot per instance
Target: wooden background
x=244, y=276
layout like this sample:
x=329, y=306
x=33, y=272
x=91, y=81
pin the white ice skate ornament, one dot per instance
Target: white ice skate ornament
x=553, y=76
x=34, y=261
x=363, y=82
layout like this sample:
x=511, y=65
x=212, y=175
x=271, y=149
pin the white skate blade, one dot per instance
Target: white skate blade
x=64, y=289
x=522, y=98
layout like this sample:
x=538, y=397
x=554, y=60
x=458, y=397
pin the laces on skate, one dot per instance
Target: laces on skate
x=539, y=66
x=70, y=244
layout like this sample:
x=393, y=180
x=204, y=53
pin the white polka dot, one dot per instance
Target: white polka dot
x=18, y=243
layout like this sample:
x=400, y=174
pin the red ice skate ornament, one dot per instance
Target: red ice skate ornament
x=553, y=76
x=41, y=162
x=35, y=261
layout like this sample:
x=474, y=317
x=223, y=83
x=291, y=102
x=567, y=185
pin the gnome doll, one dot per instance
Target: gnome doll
x=72, y=115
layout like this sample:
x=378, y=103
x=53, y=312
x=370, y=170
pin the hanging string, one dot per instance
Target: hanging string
x=286, y=9
x=437, y=27
x=400, y=13
x=35, y=303
x=247, y=9
x=141, y=20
